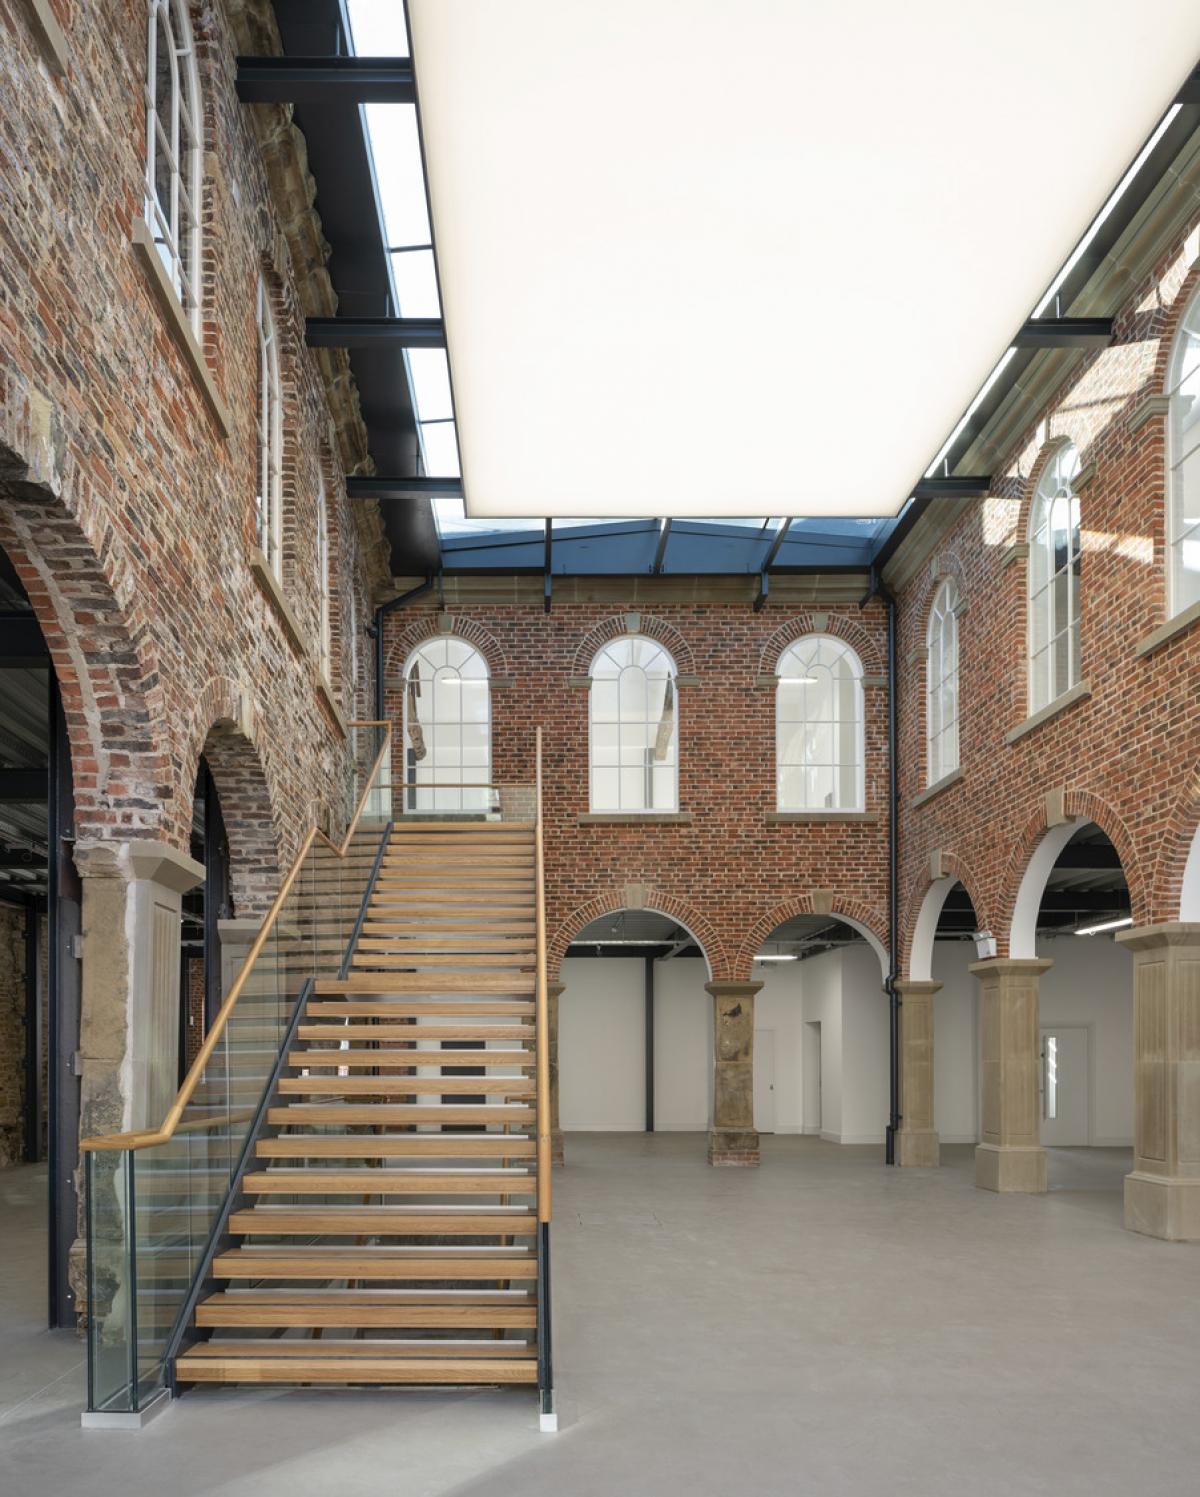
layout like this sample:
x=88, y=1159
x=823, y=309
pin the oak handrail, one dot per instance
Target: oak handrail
x=541, y=1004
x=145, y=1138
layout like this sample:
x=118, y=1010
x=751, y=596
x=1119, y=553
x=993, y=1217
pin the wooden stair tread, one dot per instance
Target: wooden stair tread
x=262, y=1369
x=399, y=959
x=369, y=1221
x=367, y=1181
x=398, y=1008
x=419, y=1057
x=429, y=1346
x=371, y=1312
x=396, y=1146
x=399, y=1086
x=431, y=983
x=380, y=1114
x=323, y=1033
x=499, y=1265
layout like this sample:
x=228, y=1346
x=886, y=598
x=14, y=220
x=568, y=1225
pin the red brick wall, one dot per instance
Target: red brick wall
x=1128, y=756
x=127, y=513
x=730, y=874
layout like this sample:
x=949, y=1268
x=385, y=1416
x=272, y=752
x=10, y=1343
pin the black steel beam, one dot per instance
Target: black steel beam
x=24, y=784
x=547, y=582
x=660, y=552
x=1065, y=332
x=955, y=486
x=404, y=488
x=22, y=857
x=764, y=584
x=343, y=80
x=1190, y=92
x=369, y=332
x=21, y=642
x=1101, y=856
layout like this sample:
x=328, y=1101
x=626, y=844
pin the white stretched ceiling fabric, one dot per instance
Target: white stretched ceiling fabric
x=702, y=257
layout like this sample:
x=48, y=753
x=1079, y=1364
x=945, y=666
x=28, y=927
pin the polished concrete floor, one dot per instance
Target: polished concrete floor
x=821, y=1325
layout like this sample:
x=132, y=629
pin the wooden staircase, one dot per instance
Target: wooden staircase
x=386, y=1230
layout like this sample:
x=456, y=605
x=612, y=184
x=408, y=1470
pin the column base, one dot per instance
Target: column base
x=1163, y=1206
x=1008, y=1169
x=918, y=1148
x=733, y=1147
x=557, y=1156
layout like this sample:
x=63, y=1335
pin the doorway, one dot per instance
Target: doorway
x=1065, y=1084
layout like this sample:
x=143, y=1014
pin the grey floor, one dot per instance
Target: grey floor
x=820, y=1325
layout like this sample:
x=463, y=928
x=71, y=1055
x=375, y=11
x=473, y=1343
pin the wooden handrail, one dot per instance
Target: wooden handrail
x=145, y=1138
x=541, y=1004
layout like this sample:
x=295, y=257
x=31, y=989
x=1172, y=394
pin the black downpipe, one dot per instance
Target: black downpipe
x=33, y=1034
x=377, y=629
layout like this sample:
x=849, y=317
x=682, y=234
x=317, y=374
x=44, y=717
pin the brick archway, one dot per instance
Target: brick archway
x=445, y=626
x=921, y=903
x=645, y=624
x=864, y=645
x=853, y=912
x=647, y=897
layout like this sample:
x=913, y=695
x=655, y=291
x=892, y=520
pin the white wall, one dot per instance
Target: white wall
x=778, y=1006
x=602, y=1045
x=683, y=1046
x=865, y=1047
x=955, y=1043
x=821, y=989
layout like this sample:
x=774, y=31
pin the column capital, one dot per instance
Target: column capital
x=555, y=989
x=1010, y=966
x=917, y=985
x=1169, y=933
x=138, y=858
x=732, y=989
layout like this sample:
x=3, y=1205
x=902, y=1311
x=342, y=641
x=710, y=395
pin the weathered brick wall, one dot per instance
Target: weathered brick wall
x=730, y=874
x=12, y=1033
x=127, y=512
x=1127, y=756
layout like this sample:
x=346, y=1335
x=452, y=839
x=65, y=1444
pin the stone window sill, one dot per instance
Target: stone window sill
x=818, y=816
x=271, y=589
x=937, y=787
x=329, y=702
x=1178, y=625
x=50, y=37
x=1078, y=693
x=178, y=325
x=634, y=818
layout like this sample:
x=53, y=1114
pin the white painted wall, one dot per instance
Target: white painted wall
x=683, y=1046
x=779, y=1006
x=602, y=1046
x=865, y=1047
x=820, y=979
x=955, y=1043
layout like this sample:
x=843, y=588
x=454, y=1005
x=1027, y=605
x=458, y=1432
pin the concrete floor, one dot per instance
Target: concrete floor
x=820, y=1325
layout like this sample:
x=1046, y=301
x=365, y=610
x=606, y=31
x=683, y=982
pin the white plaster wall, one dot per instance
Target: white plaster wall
x=821, y=989
x=1091, y=983
x=683, y=1046
x=865, y=1048
x=955, y=1044
x=779, y=1006
x=601, y=1045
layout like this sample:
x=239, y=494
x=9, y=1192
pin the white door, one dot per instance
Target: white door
x=764, y=1080
x=1064, y=1085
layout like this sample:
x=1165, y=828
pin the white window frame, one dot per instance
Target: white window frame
x=941, y=683
x=793, y=665
x=1180, y=534
x=1055, y=497
x=178, y=140
x=324, y=618
x=268, y=504
x=602, y=806
x=445, y=796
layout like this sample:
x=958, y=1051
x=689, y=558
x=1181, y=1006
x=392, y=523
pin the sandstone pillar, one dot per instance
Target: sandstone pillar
x=917, y=1141
x=554, y=992
x=733, y=1140
x=1162, y=1195
x=1011, y=1157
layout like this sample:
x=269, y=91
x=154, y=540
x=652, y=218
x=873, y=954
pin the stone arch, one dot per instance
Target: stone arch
x=860, y=640
x=71, y=562
x=641, y=897
x=924, y=910
x=853, y=912
x=1034, y=855
x=634, y=623
x=436, y=626
x=224, y=731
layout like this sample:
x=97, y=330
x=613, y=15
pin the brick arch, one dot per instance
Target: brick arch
x=446, y=626
x=851, y=633
x=648, y=625
x=1168, y=329
x=71, y=562
x=650, y=898
x=1176, y=880
x=223, y=728
x=1029, y=487
x=953, y=868
x=945, y=564
x=1080, y=806
x=854, y=911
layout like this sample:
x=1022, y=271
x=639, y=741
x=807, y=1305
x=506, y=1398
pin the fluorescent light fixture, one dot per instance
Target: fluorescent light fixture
x=711, y=257
x=782, y=957
x=1095, y=930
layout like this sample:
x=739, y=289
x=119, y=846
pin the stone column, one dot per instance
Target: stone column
x=1011, y=1157
x=554, y=992
x=1162, y=1195
x=733, y=1140
x=917, y=1141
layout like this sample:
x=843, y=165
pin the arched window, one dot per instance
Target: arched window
x=941, y=682
x=447, y=728
x=324, y=625
x=173, y=150
x=634, y=728
x=1054, y=581
x=1183, y=466
x=268, y=506
x=819, y=745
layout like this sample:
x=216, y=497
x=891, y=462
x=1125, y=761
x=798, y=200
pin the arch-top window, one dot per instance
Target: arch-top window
x=1054, y=581
x=819, y=744
x=634, y=727
x=1183, y=466
x=268, y=505
x=324, y=621
x=447, y=728
x=173, y=150
x=941, y=682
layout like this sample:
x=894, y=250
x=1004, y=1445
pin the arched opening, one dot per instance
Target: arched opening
x=205, y=907
x=447, y=729
x=635, y=1028
x=946, y=941
x=821, y=1032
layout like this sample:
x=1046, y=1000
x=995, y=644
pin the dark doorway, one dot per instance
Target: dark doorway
x=204, y=907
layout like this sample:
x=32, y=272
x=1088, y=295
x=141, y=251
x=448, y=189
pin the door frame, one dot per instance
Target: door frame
x=1051, y=1027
